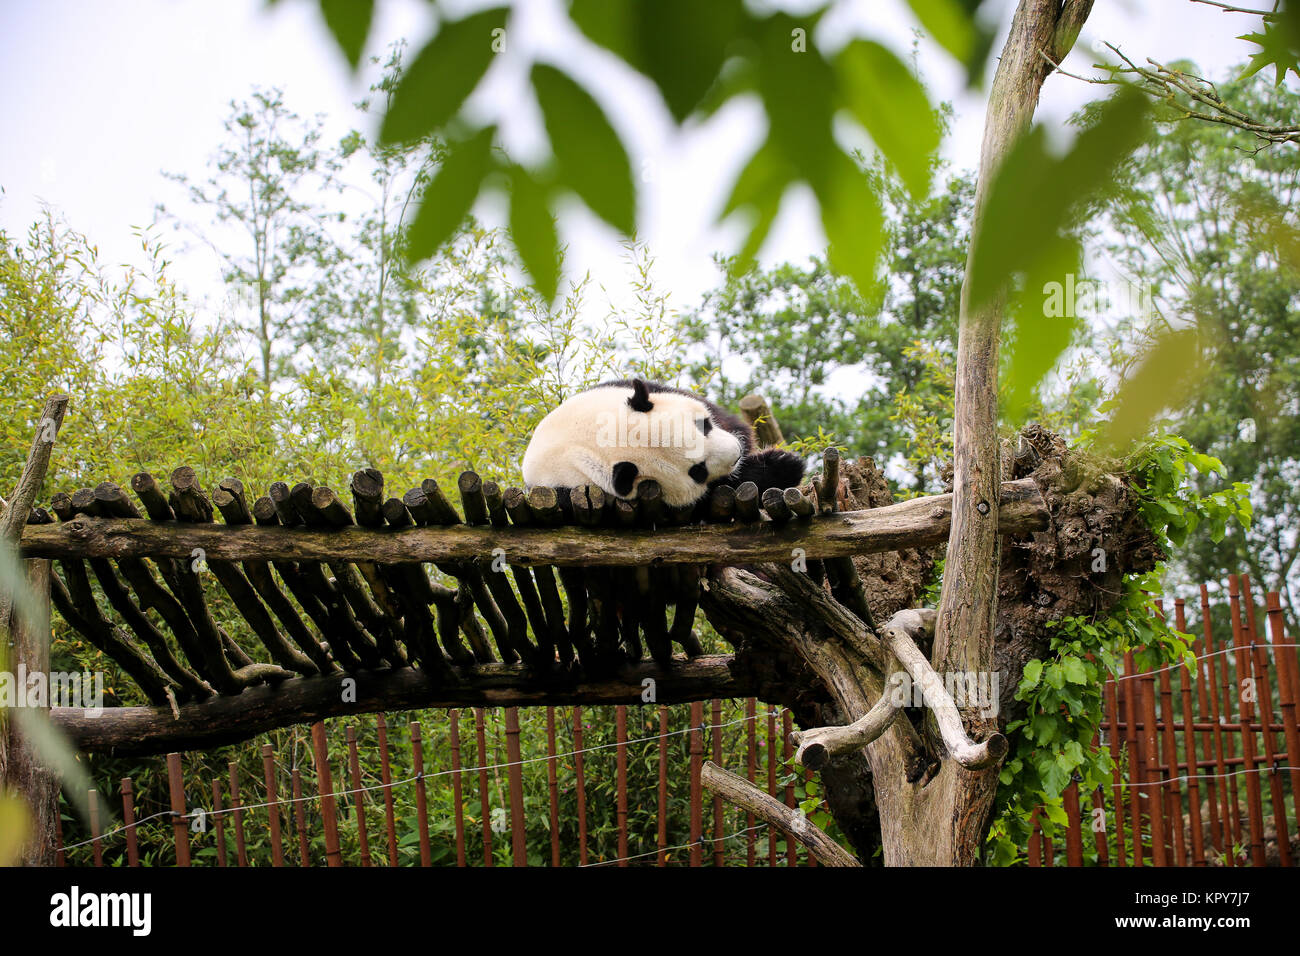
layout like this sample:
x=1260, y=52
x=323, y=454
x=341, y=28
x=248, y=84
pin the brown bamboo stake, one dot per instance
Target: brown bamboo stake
x=220, y=819
x=1288, y=691
x=1190, y=765
x=661, y=816
x=180, y=829
x=579, y=783
x=421, y=796
x=697, y=764
x=457, y=786
x=715, y=736
x=553, y=786
x=1258, y=657
x=1245, y=712
x=515, y=775
x=485, y=798
x=273, y=805
x=300, y=817
x=128, y=823
x=358, y=797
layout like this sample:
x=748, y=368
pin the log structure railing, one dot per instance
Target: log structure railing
x=537, y=596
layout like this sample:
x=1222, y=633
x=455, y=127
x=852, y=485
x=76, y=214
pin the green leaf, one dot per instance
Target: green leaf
x=1040, y=333
x=591, y=158
x=449, y=197
x=758, y=191
x=891, y=104
x=442, y=76
x=1171, y=370
x=798, y=88
x=853, y=220
x=1075, y=672
x=679, y=44
x=349, y=21
x=953, y=26
x=533, y=230
x=1033, y=194
x=1276, y=50
x=1033, y=673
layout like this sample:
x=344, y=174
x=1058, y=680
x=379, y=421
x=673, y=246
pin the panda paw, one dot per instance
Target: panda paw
x=772, y=468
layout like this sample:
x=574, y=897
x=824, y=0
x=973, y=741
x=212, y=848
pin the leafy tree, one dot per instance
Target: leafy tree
x=263, y=175
x=1208, y=225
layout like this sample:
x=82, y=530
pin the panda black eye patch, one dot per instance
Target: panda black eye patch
x=706, y=425
x=699, y=472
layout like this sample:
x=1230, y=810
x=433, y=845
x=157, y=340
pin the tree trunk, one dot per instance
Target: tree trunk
x=21, y=771
x=943, y=822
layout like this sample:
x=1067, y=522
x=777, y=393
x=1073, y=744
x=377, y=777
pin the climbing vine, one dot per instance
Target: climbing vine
x=1052, y=743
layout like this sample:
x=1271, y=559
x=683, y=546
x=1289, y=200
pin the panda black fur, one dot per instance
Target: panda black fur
x=572, y=445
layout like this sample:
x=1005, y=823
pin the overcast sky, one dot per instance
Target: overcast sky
x=98, y=96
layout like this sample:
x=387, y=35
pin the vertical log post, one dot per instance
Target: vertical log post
x=325, y=790
x=25, y=645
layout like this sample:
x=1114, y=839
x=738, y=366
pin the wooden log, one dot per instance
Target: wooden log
x=554, y=634
x=828, y=488
x=313, y=593
x=755, y=408
x=350, y=644
x=230, y=501
x=797, y=504
x=188, y=684
x=739, y=792
x=775, y=505
x=25, y=640
x=470, y=486
x=523, y=577
x=920, y=522
x=378, y=608
x=441, y=510
x=76, y=603
x=191, y=504
x=150, y=493
x=747, y=502
x=722, y=503
x=136, y=731
x=368, y=497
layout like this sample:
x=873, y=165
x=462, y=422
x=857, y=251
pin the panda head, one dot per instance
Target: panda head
x=620, y=434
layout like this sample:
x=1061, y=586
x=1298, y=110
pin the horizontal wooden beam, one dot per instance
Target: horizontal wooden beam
x=920, y=522
x=138, y=731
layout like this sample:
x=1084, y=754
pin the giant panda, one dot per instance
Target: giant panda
x=621, y=433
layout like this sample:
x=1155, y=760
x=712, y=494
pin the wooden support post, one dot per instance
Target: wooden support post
x=325, y=789
x=180, y=823
x=515, y=776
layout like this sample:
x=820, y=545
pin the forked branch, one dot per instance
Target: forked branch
x=968, y=753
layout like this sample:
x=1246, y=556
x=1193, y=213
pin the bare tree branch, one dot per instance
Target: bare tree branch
x=740, y=792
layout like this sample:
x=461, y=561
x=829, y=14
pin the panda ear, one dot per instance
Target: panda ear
x=640, y=400
x=623, y=477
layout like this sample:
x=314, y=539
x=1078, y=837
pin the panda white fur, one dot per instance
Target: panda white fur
x=619, y=434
